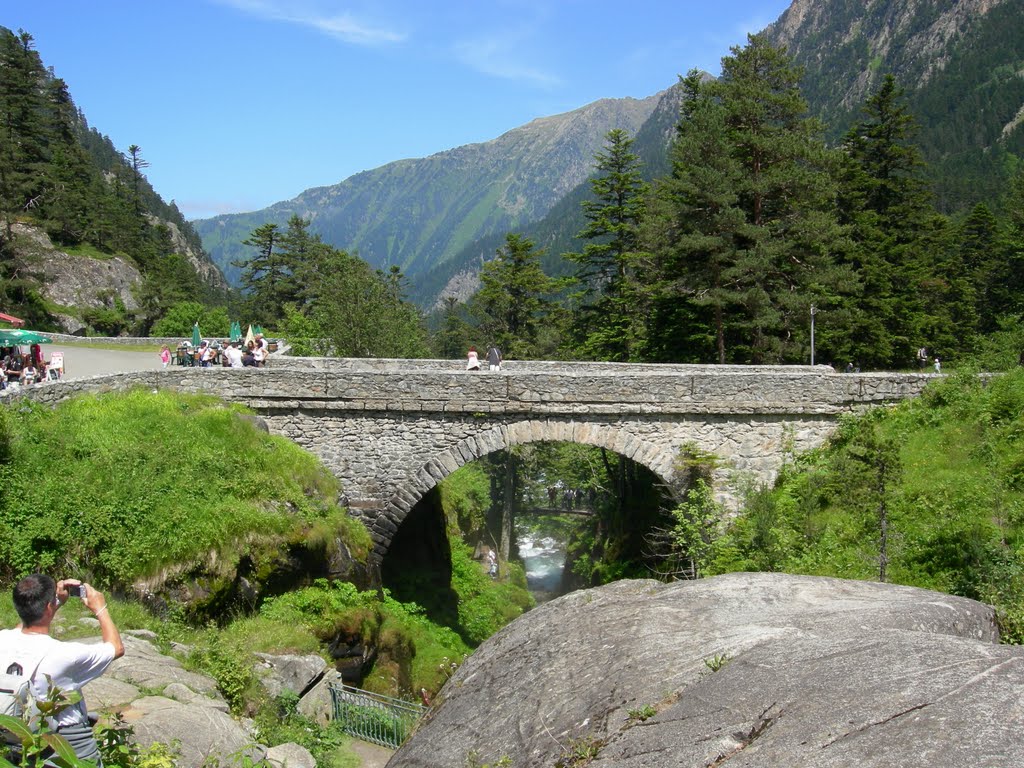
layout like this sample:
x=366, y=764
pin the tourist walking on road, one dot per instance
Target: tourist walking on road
x=165, y=355
x=472, y=361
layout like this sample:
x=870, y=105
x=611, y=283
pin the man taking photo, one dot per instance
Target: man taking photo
x=70, y=665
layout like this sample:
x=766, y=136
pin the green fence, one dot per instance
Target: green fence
x=374, y=718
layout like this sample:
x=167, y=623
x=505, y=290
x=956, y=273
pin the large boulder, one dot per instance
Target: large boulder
x=201, y=732
x=289, y=672
x=290, y=756
x=163, y=702
x=747, y=669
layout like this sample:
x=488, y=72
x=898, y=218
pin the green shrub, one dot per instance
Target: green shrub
x=956, y=505
x=485, y=605
x=116, y=487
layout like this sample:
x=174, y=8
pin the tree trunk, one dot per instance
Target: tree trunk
x=507, y=512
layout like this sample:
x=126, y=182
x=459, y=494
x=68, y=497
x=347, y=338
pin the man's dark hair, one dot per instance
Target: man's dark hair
x=31, y=596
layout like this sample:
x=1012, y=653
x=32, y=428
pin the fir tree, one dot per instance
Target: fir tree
x=608, y=322
x=698, y=222
x=23, y=129
x=265, y=274
x=747, y=227
x=514, y=298
x=884, y=203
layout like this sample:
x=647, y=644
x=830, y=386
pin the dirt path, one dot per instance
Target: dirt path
x=371, y=755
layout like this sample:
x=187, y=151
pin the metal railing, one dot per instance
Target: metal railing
x=372, y=717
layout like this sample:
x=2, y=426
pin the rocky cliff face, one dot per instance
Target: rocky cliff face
x=81, y=282
x=206, y=269
x=912, y=39
x=746, y=669
x=76, y=281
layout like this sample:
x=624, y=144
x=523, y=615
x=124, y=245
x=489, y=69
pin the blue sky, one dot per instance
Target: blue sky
x=238, y=104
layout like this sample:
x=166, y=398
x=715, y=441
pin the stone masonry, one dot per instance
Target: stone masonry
x=392, y=429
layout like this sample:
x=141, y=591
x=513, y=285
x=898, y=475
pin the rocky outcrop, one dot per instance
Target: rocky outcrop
x=913, y=39
x=288, y=672
x=163, y=702
x=746, y=669
x=205, y=268
x=83, y=282
x=76, y=281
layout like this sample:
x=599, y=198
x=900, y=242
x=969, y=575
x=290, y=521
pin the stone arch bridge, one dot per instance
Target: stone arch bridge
x=392, y=429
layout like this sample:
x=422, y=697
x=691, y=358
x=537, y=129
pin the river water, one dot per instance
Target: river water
x=543, y=554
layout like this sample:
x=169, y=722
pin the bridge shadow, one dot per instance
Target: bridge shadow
x=418, y=564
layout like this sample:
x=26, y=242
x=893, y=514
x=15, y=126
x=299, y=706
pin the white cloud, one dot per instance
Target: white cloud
x=343, y=26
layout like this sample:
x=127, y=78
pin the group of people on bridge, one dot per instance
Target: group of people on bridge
x=571, y=497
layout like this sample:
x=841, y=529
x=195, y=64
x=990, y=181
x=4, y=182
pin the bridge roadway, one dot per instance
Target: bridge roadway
x=392, y=429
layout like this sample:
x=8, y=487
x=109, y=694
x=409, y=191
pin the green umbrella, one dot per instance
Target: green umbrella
x=11, y=336
x=236, y=330
x=197, y=338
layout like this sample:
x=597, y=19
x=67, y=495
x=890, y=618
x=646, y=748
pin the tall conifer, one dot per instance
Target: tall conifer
x=607, y=323
x=747, y=228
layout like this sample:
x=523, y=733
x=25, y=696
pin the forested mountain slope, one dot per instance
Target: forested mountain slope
x=418, y=213
x=65, y=182
x=961, y=61
x=556, y=232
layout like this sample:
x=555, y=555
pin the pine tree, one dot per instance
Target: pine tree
x=264, y=274
x=887, y=208
x=982, y=250
x=136, y=163
x=697, y=222
x=1005, y=289
x=68, y=205
x=23, y=130
x=300, y=251
x=452, y=339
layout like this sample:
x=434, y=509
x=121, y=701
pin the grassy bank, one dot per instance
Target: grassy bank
x=942, y=476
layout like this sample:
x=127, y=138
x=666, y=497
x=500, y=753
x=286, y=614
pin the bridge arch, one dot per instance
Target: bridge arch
x=616, y=438
x=390, y=430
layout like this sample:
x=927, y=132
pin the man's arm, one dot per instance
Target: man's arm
x=97, y=603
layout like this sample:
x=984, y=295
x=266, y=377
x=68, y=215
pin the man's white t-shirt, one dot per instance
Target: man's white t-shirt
x=234, y=356
x=69, y=664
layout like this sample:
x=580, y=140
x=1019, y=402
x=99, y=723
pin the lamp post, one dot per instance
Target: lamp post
x=812, y=334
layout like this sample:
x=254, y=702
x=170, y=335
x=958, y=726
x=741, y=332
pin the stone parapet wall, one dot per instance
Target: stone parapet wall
x=583, y=391
x=396, y=365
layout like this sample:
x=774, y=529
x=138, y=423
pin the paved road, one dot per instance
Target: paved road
x=81, y=362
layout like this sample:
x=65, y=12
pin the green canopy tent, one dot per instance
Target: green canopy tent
x=10, y=337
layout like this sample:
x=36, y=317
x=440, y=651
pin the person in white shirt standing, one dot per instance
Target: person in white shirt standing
x=234, y=356
x=70, y=665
